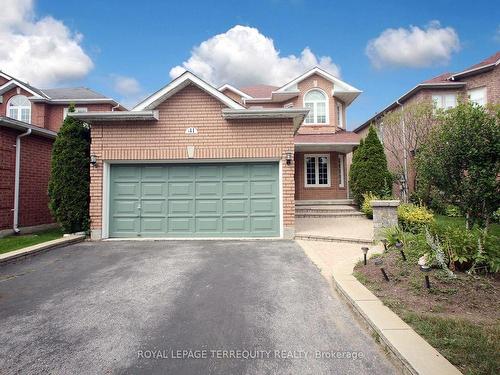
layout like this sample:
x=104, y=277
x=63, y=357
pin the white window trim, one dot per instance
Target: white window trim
x=442, y=97
x=316, y=170
x=77, y=109
x=19, y=110
x=342, y=170
x=327, y=108
x=483, y=89
x=339, y=106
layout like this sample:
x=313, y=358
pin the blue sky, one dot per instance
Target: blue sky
x=143, y=41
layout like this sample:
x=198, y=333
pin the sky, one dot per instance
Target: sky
x=129, y=49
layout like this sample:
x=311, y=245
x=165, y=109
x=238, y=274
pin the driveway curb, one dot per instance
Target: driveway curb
x=38, y=248
x=415, y=354
x=407, y=350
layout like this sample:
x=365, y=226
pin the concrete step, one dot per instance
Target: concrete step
x=341, y=202
x=314, y=237
x=328, y=214
x=302, y=209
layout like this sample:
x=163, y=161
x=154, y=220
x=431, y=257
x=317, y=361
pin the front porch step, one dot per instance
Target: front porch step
x=330, y=209
x=314, y=237
x=342, y=202
x=328, y=214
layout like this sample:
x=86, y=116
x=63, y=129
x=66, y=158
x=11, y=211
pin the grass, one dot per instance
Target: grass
x=494, y=228
x=471, y=347
x=16, y=242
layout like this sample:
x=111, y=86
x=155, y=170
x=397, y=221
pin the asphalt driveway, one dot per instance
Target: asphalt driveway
x=178, y=307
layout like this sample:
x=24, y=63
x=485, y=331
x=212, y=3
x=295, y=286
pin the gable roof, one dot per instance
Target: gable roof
x=486, y=64
x=73, y=93
x=341, y=89
x=185, y=79
x=235, y=90
x=260, y=91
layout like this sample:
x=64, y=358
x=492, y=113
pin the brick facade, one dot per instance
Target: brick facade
x=489, y=79
x=35, y=161
x=34, y=177
x=217, y=139
x=316, y=193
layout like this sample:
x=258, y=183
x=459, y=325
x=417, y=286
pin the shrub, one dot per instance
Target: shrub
x=453, y=211
x=461, y=159
x=366, y=207
x=468, y=248
x=413, y=218
x=369, y=171
x=70, y=176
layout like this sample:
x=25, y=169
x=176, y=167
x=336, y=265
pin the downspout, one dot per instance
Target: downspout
x=115, y=107
x=405, y=152
x=15, y=224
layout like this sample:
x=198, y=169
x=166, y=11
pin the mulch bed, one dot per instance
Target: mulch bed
x=469, y=297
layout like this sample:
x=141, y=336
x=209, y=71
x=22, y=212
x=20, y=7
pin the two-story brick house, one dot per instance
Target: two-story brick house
x=193, y=160
x=480, y=83
x=29, y=121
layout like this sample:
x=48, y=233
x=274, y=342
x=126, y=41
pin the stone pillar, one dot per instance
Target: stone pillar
x=385, y=215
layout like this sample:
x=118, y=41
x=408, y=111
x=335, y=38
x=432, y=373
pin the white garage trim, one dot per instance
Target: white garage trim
x=106, y=191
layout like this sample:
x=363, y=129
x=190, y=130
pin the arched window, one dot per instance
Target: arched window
x=316, y=102
x=19, y=108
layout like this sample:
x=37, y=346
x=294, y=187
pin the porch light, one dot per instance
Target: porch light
x=93, y=160
x=289, y=157
x=365, y=252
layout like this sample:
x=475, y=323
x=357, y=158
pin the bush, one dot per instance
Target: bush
x=369, y=171
x=453, y=211
x=468, y=248
x=70, y=176
x=413, y=218
x=366, y=207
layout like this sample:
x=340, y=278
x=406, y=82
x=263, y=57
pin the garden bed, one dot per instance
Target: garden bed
x=459, y=317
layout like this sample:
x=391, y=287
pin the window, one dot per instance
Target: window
x=341, y=171
x=444, y=101
x=316, y=102
x=340, y=115
x=478, y=96
x=77, y=109
x=19, y=108
x=317, y=170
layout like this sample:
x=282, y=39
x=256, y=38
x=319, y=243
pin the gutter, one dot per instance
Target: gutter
x=15, y=224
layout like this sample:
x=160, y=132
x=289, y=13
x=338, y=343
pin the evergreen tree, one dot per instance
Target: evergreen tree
x=70, y=175
x=369, y=171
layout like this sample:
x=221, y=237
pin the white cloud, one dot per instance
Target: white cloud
x=125, y=85
x=243, y=56
x=41, y=51
x=129, y=90
x=413, y=47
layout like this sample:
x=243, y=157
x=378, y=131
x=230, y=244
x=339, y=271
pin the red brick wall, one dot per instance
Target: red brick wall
x=7, y=165
x=34, y=178
x=217, y=138
x=55, y=112
x=333, y=192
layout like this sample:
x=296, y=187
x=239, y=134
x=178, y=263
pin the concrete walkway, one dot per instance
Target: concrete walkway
x=344, y=229
x=336, y=261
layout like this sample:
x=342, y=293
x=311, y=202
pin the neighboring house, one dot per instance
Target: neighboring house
x=479, y=83
x=192, y=160
x=29, y=121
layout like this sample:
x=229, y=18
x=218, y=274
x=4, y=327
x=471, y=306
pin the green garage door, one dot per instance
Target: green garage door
x=187, y=200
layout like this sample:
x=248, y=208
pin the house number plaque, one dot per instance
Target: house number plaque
x=191, y=131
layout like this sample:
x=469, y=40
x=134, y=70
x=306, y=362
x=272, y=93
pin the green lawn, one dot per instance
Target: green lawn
x=11, y=243
x=460, y=222
x=473, y=348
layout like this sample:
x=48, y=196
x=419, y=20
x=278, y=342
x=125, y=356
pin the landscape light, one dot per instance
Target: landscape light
x=365, y=252
x=426, y=269
x=399, y=246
